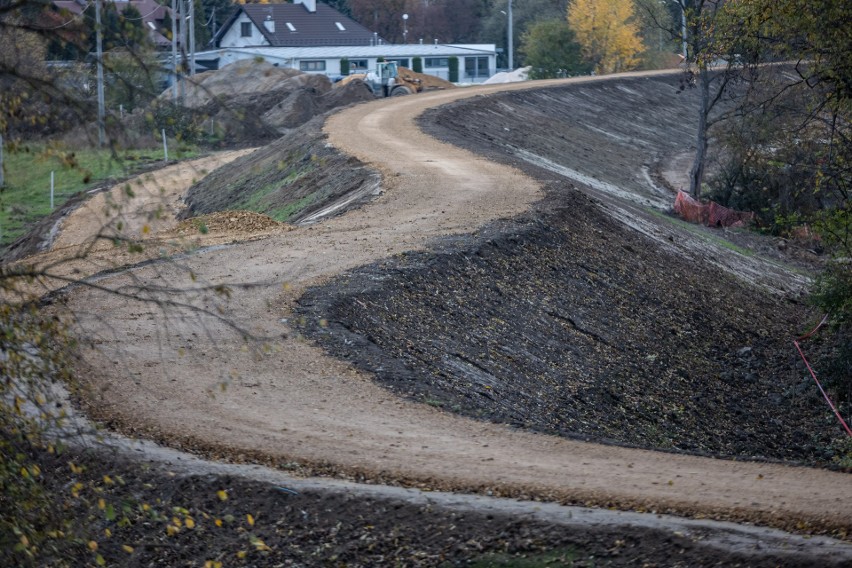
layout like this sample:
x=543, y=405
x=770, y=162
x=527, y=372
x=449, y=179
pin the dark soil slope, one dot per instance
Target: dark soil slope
x=288, y=180
x=569, y=322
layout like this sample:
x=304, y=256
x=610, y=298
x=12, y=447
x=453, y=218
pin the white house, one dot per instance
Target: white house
x=314, y=38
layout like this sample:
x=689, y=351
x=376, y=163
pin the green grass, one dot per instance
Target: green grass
x=698, y=231
x=25, y=199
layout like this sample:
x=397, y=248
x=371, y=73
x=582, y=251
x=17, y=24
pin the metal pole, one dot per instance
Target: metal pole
x=191, y=37
x=100, y=64
x=174, y=52
x=182, y=40
x=165, y=147
x=511, y=39
x=683, y=27
x=51, y=190
x=2, y=179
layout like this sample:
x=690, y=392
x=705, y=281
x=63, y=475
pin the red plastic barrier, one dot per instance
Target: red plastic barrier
x=711, y=214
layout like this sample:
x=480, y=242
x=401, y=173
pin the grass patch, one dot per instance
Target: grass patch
x=25, y=199
x=697, y=231
x=293, y=208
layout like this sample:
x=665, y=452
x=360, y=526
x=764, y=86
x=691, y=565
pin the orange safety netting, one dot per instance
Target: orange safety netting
x=711, y=214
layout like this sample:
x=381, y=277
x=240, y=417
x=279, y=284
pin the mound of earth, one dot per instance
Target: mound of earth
x=252, y=101
x=294, y=179
x=244, y=77
x=427, y=81
x=571, y=322
x=229, y=222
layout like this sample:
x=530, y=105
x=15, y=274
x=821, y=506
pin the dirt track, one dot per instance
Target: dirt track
x=159, y=372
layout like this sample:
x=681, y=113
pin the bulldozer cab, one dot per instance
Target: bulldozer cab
x=387, y=70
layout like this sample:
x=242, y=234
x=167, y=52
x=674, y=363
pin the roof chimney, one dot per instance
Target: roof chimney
x=310, y=5
x=269, y=24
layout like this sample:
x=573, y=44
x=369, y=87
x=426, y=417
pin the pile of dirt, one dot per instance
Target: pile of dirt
x=230, y=222
x=252, y=101
x=429, y=82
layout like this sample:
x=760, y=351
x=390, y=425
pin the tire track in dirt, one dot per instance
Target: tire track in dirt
x=157, y=372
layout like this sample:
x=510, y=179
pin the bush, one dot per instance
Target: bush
x=179, y=122
x=344, y=66
x=417, y=65
x=454, y=69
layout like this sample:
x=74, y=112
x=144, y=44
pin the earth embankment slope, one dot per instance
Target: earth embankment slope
x=573, y=322
x=291, y=403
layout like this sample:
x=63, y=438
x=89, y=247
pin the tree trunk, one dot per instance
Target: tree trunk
x=696, y=174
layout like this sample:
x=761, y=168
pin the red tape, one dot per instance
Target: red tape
x=808, y=365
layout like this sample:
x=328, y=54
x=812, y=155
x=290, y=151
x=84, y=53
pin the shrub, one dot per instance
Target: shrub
x=454, y=69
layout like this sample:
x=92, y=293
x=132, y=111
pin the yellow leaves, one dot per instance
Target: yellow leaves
x=101, y=504
x=218, y=523
x=93, y=546
x=146, y=229
x=108, y=480
x=107, y=533
x=259, y=545
x=127, y=548
x=222, y=494
x=75, y=469
x=172, y=530
x=606, y=31
x=190, y=523
x=212, y=564
x=250, y=519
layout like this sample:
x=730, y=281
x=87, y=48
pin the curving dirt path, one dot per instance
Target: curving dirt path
x=186, y=376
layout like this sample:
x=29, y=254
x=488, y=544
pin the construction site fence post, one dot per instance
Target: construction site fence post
x=51, y=189
x=165, y=147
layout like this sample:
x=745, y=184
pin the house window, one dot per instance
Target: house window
x=437, y=62
x=475, y=67
x=312, y=65
x=358, y=64
x=245, y=29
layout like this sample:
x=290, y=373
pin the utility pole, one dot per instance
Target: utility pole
x=174, y=52
x=191, y=37
x=183, y=63
x=2, y=180
x=100, y=78
x=510, y=39
x=682, y=27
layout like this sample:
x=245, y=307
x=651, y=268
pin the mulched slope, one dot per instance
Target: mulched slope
x=568, y=323
x=289, y=179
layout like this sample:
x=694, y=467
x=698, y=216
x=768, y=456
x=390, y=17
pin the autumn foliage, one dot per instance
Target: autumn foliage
x=607, y=32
